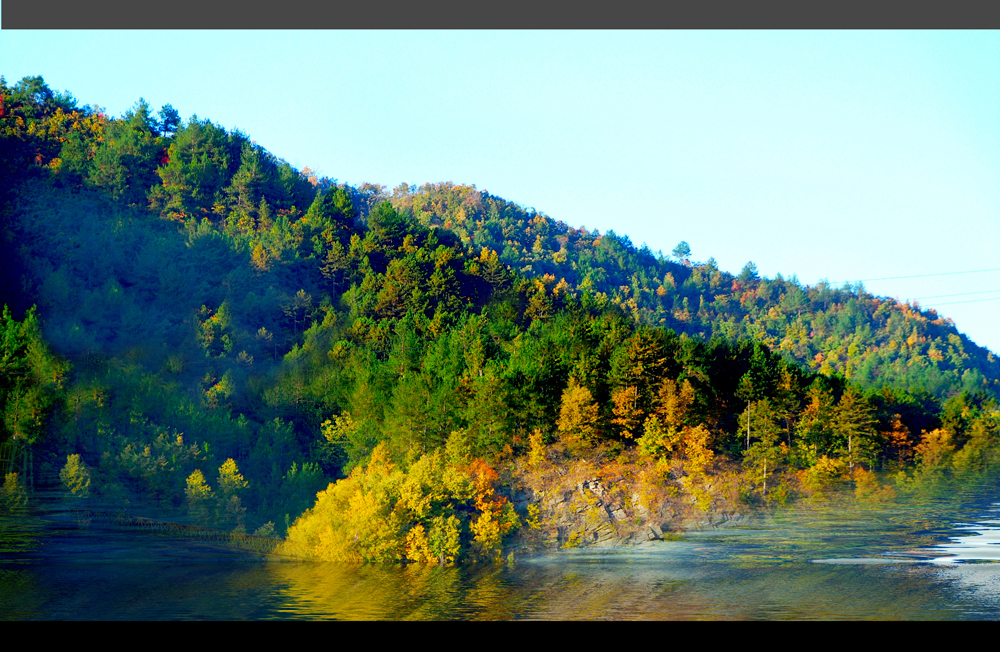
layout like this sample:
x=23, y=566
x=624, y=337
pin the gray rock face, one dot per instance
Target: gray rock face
x=591, y=513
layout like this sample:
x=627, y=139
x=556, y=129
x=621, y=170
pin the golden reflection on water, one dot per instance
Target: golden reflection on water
x=614, y=587
x=768, y=571
x=374, y=592
x=413, y=592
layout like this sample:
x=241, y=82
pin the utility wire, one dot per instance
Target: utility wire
x=952, y=303
x=894, y=278
x=960, y=294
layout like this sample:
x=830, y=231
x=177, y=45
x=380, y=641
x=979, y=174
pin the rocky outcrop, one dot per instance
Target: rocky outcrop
x=587, y=515
x=573, y=508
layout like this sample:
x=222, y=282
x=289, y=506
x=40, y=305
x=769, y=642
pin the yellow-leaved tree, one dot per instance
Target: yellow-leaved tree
x=199, y=495
x=579, y=416
x=698, y=459
x=13, y=495
x=423, y=514
x=75, y=476
x=353, y=520
x=229, y=510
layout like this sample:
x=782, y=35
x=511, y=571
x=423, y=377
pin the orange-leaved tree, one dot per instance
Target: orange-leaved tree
x=496, y=518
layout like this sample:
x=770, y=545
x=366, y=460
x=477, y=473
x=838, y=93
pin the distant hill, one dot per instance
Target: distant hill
x=870, y=340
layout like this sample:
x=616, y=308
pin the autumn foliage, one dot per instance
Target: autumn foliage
x=437, y=511
x=393, y=350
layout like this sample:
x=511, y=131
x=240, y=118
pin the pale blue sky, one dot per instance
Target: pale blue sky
x=841, y=155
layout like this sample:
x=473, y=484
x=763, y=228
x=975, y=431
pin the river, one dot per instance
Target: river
x=932, y=560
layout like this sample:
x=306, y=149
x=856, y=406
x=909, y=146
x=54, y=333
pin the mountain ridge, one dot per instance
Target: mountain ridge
x=202, y=304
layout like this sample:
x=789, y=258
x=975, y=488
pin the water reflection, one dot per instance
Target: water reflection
x=980, y=546
x=821, y=562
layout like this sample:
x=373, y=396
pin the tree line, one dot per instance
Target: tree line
x=220, y=334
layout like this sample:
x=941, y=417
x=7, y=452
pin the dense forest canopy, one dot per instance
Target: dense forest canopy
x=193, y=322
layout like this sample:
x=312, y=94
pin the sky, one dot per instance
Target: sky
x=837, y=155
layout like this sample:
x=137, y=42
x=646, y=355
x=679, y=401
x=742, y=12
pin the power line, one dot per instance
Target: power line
x=896, y=278
x=952, y=303
x=960, y=294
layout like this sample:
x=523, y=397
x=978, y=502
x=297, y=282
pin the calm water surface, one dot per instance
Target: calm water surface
x=932, y=561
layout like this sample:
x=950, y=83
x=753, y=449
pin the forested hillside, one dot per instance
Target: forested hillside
x=195, y=324
x=870, y=340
